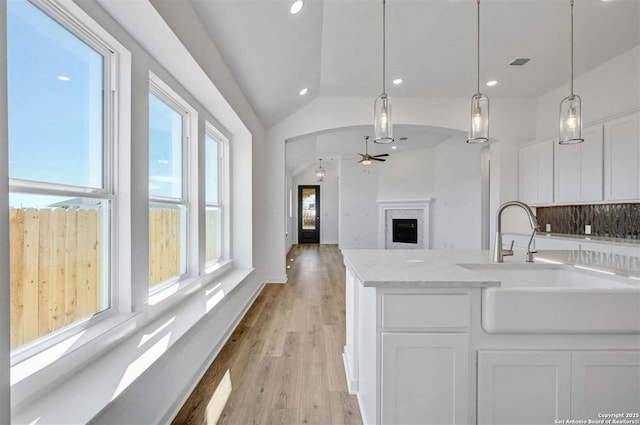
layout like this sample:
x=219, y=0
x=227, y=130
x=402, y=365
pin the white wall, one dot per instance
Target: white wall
x=456, y=210
x=405, y=175
x=289, y=217
x=607, y=90
x=328, y=200
x=5, y=394
x=358, y=207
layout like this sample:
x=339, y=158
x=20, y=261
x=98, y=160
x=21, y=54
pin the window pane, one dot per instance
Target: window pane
x=211, y=170
x=55, y=100
x=165, y=149
x=59, y=263
x=167, y=242
x=213, y=228
x=308, y=209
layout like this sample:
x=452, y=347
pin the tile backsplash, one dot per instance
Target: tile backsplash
x=612, y=220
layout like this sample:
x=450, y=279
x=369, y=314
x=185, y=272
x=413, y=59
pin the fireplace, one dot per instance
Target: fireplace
x=413, y=214
x=405, y=230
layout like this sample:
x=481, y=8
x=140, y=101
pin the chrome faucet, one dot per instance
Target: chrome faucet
x=498, y=252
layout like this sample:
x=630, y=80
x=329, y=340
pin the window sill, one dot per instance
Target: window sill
x=80, y=383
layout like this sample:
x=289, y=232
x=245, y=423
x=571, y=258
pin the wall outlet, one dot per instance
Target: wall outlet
x=587, y=229
x=548, y=228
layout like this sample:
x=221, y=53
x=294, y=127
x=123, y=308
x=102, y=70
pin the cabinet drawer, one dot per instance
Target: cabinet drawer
x=426, y=311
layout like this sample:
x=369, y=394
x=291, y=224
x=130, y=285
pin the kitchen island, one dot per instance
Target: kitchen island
x=448, y=337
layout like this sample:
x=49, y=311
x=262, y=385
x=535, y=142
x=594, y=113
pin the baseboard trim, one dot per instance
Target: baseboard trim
x=352, y=386
x=175, y=409
x=280, y=279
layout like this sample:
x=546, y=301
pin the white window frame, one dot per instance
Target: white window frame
x=115, y=178
x=222, y=142
x=190, y=182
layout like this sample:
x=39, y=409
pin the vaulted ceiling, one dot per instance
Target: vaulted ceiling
x=333, y=47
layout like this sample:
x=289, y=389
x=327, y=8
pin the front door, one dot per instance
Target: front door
x=308, y=214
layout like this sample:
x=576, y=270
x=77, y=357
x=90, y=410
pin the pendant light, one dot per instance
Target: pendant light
x=383, y=128
x=320, y=172
x=571, y=108
x=479, y=126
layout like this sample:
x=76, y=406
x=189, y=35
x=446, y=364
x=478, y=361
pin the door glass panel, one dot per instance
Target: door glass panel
x=308, y=209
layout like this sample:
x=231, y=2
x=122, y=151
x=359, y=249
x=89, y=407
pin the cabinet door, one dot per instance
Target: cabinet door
x=545, y=172
x=528, y=176
x=604, y=382
x=622, y=158
x=523, y=387
x=425, y=378
x=567, y=176
x=591, y=164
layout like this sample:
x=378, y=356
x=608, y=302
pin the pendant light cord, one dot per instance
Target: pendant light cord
x=571, y=48
x=384, y=47
x=478, y=41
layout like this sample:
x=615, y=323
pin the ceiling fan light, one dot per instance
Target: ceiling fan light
x=366, y=162
x=383, y=127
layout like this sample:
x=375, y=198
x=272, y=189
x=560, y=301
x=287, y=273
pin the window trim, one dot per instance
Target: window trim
x=116, y=132
x=217, y=137
x=189, y=186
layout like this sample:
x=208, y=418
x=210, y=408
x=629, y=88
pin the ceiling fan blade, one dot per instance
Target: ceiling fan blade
x=362, y=155
x=359, y=161
x=378, y=159
x=378, y=156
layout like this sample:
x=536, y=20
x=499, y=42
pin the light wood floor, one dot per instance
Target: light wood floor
x=283, y=363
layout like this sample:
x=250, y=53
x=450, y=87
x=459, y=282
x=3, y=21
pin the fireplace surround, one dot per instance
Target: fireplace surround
x=404, y=209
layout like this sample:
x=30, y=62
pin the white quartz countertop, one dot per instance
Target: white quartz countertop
x=418, y=268
x=445, y=268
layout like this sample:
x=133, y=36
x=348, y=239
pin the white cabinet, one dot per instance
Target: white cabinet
x=579, y=168
x=605, y=382
x=523, y=387
x=536, y=173
x=527, y=387
x=622, y=158
x=425, y=378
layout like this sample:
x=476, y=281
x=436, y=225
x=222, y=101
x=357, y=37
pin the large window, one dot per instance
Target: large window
x=170, y=121
x=213, y=195
x=60, y=107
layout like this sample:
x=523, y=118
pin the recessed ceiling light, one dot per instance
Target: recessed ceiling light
x=398, y=81
x=394, y=147
x=303, y=91
x=63, y=78
x=296, y=7
x=492, y=83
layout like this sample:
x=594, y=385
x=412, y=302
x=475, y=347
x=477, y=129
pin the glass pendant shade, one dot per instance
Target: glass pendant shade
x=320, y=172
x=571, y=120
x=479, y=127
x=382, y=120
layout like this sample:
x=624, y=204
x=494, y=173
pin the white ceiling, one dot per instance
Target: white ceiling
x=347, y=143
x=333, y=47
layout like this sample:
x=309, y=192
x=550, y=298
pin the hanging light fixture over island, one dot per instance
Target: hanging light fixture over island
x=383, y=128
x=571, y=108
x=479, y=126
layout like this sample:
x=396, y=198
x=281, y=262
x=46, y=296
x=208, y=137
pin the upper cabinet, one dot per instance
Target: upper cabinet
x=606, y=167
x=536, y=173
x=622, y=158
x=579, y=168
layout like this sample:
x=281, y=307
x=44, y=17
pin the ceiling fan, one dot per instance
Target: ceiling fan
x=366, y=158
